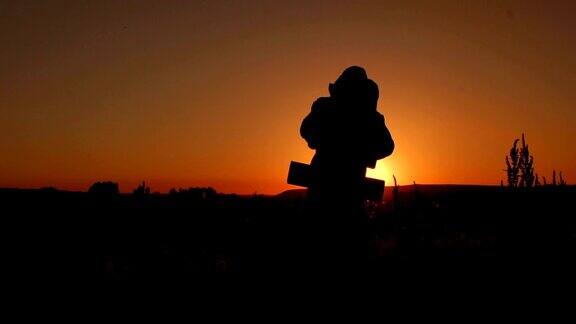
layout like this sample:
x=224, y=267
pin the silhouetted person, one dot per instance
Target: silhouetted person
x=348, y=135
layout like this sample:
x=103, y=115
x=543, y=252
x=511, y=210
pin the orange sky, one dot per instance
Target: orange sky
x=185, y=93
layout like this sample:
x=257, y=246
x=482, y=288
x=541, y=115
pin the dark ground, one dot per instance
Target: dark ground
x=126, y=236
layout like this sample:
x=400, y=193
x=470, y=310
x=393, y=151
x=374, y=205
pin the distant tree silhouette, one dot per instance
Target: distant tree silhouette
x=104, y=187
x=141, y=190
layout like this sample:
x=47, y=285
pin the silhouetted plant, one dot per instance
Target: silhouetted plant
x=526, y=166
x=141, y=190
x=396, y=193
x=561, y=179
x=520, y=166
x=553, y=177
x=513, y=165
x=415, y=190
x=104, y=187
x=536, y=180
x=544, y=181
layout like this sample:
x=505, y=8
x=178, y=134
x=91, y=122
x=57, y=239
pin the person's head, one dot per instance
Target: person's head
x=353, y=73
x=353, y=87
x=346, y=81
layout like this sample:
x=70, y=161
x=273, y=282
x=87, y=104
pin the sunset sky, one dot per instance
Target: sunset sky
x=212, y=93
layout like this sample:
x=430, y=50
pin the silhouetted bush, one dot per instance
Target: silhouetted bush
x=526, y=166
x=520, y=169
x=513, y=165
x=562, y=181
x=520, y=166
x=104, y=187
x=141, y=190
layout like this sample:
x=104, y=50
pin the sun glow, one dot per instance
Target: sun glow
x=382, y=171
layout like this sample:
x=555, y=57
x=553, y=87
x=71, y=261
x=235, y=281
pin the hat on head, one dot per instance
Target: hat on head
x=350, y=75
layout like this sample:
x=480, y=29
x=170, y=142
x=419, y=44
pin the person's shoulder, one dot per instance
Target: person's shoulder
x=373, y=115
x=378, y=116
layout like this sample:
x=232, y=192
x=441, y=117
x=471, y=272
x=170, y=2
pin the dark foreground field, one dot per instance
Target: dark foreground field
x=128, y=236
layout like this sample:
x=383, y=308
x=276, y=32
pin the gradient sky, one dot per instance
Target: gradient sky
x=212, y=93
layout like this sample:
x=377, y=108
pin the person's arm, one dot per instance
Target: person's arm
x=384, y=142
x=310, y=128
x=379, y=143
